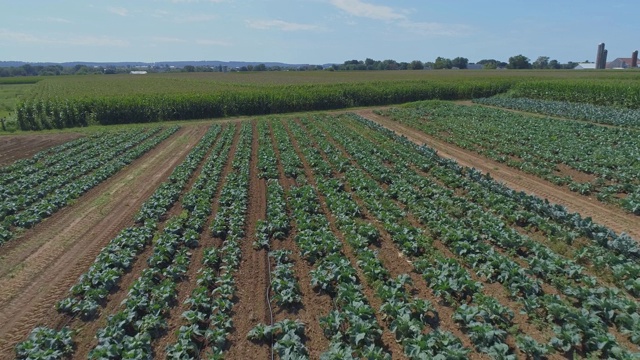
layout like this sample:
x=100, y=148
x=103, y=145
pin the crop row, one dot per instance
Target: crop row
x=48, y=111
x=109, y=266
x=267, y=163
x=228, y=225
x=608, y=156
x=591, y=332
x=113, y=261
x=461, y=232
x=592, y=325
x=618, y=92
x=287, y=335
x=154, y=293
x=351, y=326
x=406, y=317
x=613, y=253
x=27, y=207
x=450, y=282
x=49, y=156
x=203, y=311
x=131, y=330
x=578, y=111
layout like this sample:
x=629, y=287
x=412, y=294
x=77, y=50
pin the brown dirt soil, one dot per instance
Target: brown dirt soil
x=38, y=268
x=612, y=217
x=576, y=175
x=15, y=147
x=188, y=284
x=397, y=263
x=314, y=304
x=497, y=291
x=251, y=278
x=387, y=339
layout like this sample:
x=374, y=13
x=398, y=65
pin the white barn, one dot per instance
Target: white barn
x=584, y=66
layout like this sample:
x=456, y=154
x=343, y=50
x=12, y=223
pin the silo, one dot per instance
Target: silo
x=599, y=55
x=634, y=59
x=604, y=59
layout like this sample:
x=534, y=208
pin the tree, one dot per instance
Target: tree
x=189, y=68
x=442, y=63
x=541, y=63
x=519, y=62
x=460, y=62
x=554, y=64
x=416, y=65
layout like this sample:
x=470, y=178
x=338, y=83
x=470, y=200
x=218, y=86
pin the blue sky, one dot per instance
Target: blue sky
x=314, y=31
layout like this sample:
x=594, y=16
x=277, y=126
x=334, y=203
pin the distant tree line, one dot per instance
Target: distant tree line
x=515, y=62
x=543, y=62
x=47, y=70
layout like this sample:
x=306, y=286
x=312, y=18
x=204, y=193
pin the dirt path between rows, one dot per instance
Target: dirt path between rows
x=37, y=269
x=15, y=147
x=615, y=219
x=251, y=277
x=539, y=115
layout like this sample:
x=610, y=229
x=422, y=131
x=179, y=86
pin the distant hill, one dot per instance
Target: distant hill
x=178, y=64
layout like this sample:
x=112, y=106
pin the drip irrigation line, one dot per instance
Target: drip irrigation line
x=268, y=298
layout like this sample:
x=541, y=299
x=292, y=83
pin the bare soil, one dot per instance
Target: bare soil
x=251, y=279
x=188, y=284
x=612, y=217
x=38, y=268
x=16, y=147
x=315, y=304
x=387, y=339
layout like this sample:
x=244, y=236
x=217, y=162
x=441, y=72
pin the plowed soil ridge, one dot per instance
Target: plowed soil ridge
x=394, y=260
x=251, y=278
x=18, y=147
x=314, y=304
x=51, y=257
x=615, y=219
x=387, y=340
x=189, y=283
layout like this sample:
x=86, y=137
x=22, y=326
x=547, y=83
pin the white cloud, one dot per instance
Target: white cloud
x=168, y=40
x=89, y=40
x=118, y=11
x=399, y=18
x=212, y=42
x=429, y=28
x=96, y=41
x=196, y=1
x=195, y=18
x=160, y=13
x=57, y=20
x=366, y=10
x=281, y=25
x=18, y=36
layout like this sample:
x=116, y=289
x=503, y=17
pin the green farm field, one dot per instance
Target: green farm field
x=365, y=243
x=377, y=230
x=72, y=101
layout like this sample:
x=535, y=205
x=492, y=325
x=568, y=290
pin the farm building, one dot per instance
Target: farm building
x=620, y=63
x=584, y=66
x=137, y=72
